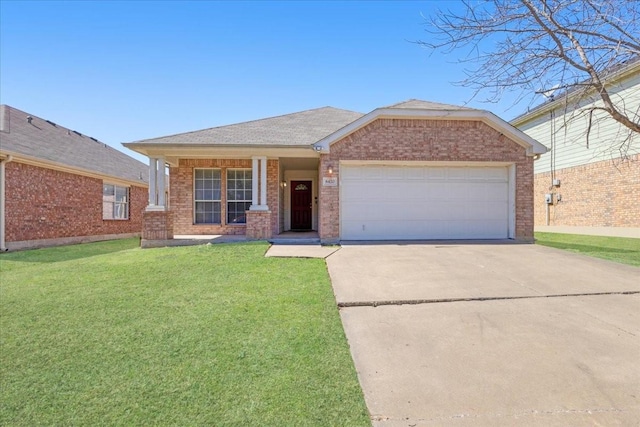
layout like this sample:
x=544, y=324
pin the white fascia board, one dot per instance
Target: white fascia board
x=172, y=153
x=532, y=146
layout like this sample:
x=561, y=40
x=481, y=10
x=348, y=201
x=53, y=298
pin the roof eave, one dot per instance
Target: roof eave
x=173, y=152
x=50, y=164
x=546, y=107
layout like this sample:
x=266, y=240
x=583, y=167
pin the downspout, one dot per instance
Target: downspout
x=3, y=162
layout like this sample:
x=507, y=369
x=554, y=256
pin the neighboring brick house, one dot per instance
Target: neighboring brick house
x=592, y=186
x=58, y=186
x=414, y=170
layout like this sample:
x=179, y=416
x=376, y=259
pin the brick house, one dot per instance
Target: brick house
x=58, y=186
x=414, y=170
x=588, y=185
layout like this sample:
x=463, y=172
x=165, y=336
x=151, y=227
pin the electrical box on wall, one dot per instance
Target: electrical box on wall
x=548, y=198
x=556, y=183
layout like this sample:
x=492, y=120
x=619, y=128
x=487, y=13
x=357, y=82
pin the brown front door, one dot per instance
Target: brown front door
x=301, y=205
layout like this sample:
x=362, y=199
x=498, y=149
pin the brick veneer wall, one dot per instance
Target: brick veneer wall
x=157, y=225
x=181, y=195
x=601, y=194
x=259, y=224
x=427, y=140
x=43, y=203
x=273, y=194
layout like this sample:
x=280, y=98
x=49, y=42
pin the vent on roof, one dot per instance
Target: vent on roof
x=93, y=138
x=76, y=132
x=51, y=123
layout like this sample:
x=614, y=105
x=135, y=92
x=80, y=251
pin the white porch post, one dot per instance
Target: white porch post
x=263, y=183
x=254, y=183
x=259, y=192
x=153, y=173
x=161, y=187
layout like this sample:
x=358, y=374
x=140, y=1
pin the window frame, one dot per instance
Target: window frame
x=196, y=200
x=114, y=203
x=246, y=188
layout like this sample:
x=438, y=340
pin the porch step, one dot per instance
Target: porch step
x=294, y=241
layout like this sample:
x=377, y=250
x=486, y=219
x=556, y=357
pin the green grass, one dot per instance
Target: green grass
x=618, y=249
x=109, y=334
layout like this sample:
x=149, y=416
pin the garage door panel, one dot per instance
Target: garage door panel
x=385, y=202
x=364, y=213
x=435, y=173
x=354, y=193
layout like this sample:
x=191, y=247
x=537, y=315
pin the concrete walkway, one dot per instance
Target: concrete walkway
x=467, y=361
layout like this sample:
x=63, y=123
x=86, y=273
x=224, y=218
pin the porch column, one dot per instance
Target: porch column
x=157, y=220
x=259, y=184
x=263, y=183
x=161, y=186
x=254, y=183
x=153, y=168
x=259, y=216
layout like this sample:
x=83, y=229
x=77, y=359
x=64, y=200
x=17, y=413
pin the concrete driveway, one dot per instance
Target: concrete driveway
x=490, y=334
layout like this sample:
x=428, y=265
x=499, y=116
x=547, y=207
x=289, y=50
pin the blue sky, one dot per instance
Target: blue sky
x=120, y=71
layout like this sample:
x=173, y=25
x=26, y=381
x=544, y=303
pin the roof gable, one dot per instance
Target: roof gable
x=416, y=109
x=36, y=139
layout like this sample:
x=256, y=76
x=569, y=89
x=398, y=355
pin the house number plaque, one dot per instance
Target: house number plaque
x=329, y=181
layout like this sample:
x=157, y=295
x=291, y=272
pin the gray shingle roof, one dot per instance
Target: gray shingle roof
x=418, y=104
x=297, y=129
x=48, y=141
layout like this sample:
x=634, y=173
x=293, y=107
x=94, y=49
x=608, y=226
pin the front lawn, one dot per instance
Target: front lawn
x=618, y=249
x=109, y=334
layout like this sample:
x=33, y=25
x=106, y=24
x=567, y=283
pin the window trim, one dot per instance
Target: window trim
x=114, y=202
x=207, y=201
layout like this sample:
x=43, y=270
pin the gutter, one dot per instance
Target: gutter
x=3, y=162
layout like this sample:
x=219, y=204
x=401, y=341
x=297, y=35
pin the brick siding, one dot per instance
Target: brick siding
x=259, y=225
x=601, y=194
x=427, y=140
x=273, y=194
x=43, y=203
x=158, y=225
x=181, y=195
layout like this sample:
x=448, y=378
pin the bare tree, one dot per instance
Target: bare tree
x=540, y=46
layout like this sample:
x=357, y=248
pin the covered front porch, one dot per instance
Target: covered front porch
x=259, y=197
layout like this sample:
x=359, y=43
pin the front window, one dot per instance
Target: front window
x=115, y=202
x=238, y=195
x=207, y=196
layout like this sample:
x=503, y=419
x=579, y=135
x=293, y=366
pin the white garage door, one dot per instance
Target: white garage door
x=406, y=202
